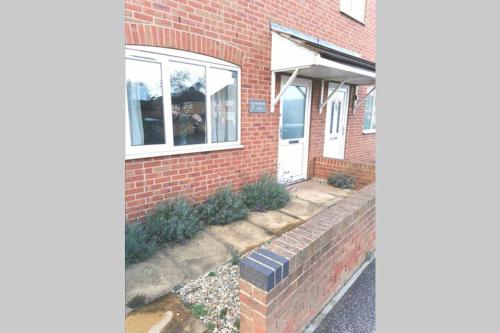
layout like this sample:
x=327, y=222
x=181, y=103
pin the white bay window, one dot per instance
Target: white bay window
x=180, y=102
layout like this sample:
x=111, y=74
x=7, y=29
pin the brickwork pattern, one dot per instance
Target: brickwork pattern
x=364, y=173
x=359, y=146
x=238, y=32
x=323, y=254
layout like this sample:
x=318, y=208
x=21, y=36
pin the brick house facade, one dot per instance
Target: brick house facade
x=239, y=33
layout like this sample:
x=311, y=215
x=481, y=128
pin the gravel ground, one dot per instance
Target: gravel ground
x=219, y=295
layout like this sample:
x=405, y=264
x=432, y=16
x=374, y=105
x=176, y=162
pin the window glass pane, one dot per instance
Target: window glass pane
x=374, y=111
x=294, y=102
x=187, y=84
x=145, y=102
x=369, y=121
x=223, y=87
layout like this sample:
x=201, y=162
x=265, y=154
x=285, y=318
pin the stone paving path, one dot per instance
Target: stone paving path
x=212, y=247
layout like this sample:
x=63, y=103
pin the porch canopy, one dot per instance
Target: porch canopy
x=295, y=53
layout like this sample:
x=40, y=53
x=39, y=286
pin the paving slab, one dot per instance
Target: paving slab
x=242, y=235
x=317, y=196
x=199, y=255
x=302, y=209
x=172, y=265
x=327, y=188
x=322, y=186
x=274, y=221
x=152, y=278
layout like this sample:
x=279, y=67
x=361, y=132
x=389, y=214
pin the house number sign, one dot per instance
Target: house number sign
x=257, y=105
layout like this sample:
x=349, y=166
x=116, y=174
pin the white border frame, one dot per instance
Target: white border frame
x=350, y=13
x=331, y=87
x=307, y=123
x=163, y=56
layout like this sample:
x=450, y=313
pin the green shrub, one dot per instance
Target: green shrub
x=235, y=258
x=174, y=221
x=137, y=247
x=236, y=323
x=199, y=310
x=265, y=194
x=223, y=313
x=223, y=207
x=341, y=180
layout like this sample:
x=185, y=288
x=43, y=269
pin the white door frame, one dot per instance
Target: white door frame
x=307, y=123
x=343, y=120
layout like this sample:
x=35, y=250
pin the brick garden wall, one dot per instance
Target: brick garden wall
x=364, y=173
x=238, y=32
x=285, y=284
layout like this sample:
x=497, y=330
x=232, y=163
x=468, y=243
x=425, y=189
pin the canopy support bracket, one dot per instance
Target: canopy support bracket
x=331, y=95
x=362, y=100
x=287, y=84
x=322, y=92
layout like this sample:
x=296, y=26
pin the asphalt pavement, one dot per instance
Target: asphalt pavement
x=355, y=311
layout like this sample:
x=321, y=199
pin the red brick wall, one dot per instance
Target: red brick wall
x=236, y=31
x=359, y=146
x=323, y=254
x=364, y=173
x=317, y=127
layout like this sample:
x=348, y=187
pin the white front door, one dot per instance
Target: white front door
x=295, y=109
x=336, y=122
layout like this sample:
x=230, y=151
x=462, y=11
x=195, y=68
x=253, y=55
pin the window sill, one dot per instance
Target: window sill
x=352, y=17
x=369, y=131
x=190, y=150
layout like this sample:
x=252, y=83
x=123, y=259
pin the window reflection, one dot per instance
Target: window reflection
x=145, y=102
x=370, y=119
x=188, y=95
x=223, y=101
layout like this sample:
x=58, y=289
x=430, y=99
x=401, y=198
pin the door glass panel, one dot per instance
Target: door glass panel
x=339, y=107
x=187, y=84
x=294, y=102
x=145, y=102
x=335, y=115
x=332, y=116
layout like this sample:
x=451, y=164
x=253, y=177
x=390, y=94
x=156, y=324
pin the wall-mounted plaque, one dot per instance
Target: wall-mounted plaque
x=257, y=105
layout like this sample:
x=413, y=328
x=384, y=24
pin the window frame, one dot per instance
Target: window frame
x=370, y=130
x=350, y=13
x=163, y=56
